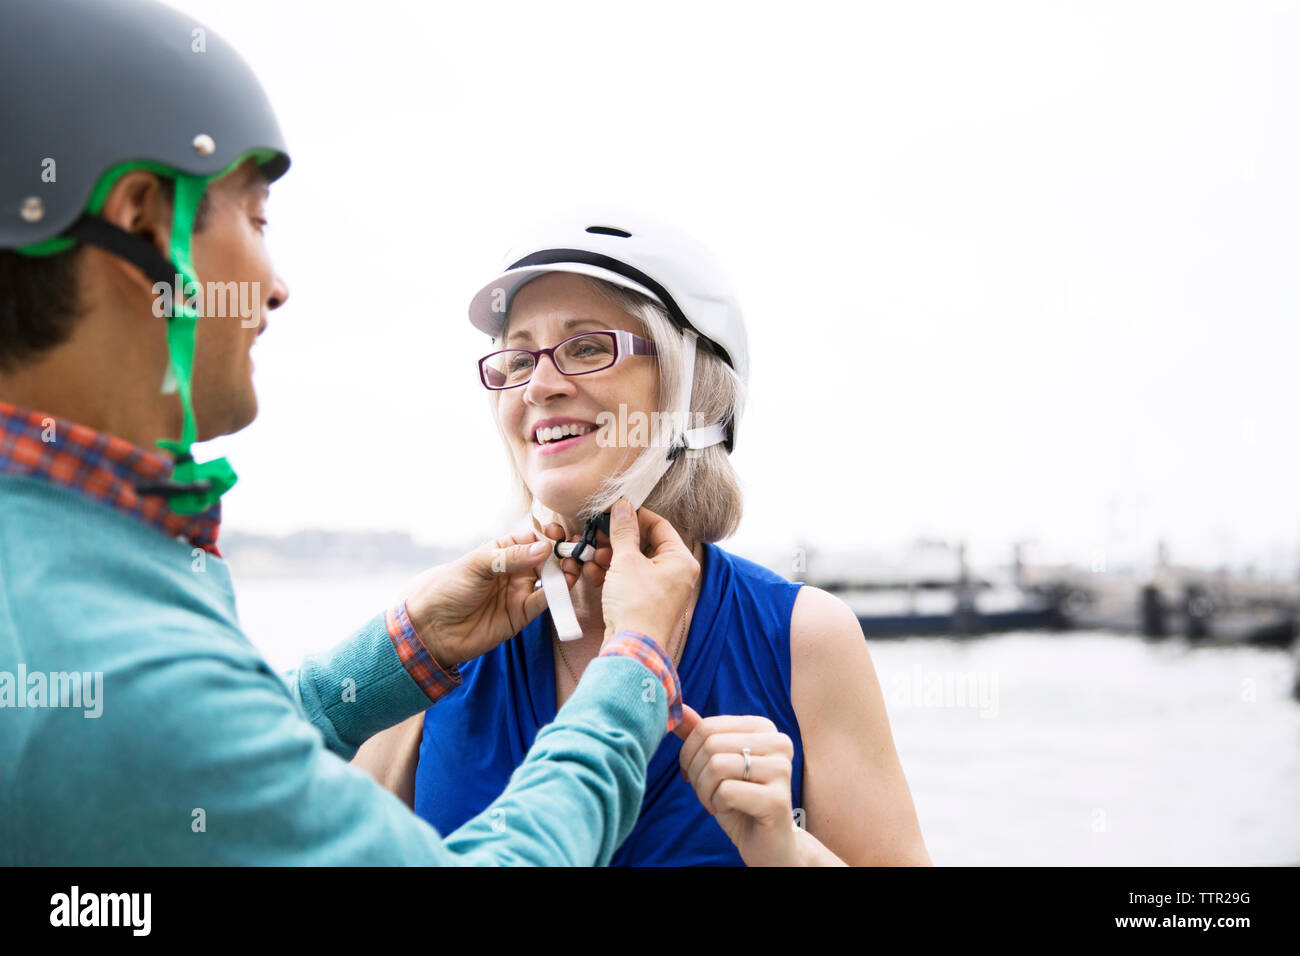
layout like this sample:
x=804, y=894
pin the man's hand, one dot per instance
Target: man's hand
x=593, y=571
x=466, y=608
x=646, y=592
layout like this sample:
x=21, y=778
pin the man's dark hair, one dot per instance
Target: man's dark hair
x=39, y=302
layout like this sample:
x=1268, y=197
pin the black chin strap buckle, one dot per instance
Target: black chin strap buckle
x=171, y=489
x=168, y=488
x=599, y=523
x=578, y=548
x=589, y=536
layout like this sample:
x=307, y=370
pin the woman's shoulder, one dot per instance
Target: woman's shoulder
x=819, y=622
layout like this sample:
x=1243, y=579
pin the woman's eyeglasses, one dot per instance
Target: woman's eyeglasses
x=577, y=355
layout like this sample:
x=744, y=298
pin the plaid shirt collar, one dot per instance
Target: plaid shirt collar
x=101, y=467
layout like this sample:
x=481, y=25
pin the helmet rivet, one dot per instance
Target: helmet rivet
x=33, y=209
x=204, y=145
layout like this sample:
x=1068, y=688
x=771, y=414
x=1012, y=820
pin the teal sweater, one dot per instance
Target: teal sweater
x=202, y=754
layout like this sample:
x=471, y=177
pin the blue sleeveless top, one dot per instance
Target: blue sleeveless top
x=737, y=661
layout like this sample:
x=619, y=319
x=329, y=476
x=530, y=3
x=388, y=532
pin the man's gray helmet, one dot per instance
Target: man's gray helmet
x=89, y=84
x=93, y=89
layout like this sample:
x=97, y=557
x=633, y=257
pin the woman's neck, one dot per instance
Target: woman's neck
x=586, y=599
x=570, y=663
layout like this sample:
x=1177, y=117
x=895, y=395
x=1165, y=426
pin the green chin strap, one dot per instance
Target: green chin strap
x=181, y=324
x=181, y=328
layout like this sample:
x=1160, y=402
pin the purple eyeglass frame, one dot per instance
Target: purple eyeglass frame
x=626, y=344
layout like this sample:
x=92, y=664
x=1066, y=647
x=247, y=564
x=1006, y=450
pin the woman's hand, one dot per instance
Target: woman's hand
x=466, y=608
x=755, y=813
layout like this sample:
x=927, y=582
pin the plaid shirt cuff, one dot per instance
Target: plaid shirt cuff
x=639, y=647
x=419, y=663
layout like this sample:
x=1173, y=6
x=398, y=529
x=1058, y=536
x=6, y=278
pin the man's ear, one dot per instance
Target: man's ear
x=137, y=204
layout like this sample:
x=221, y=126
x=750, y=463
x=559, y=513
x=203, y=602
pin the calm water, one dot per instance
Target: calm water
x=1042, y=749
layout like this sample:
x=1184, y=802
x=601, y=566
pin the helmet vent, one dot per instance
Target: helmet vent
x=609, y=231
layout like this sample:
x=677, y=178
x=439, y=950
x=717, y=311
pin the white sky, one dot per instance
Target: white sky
x=1010, y=270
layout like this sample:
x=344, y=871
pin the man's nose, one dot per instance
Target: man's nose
x=279, y=293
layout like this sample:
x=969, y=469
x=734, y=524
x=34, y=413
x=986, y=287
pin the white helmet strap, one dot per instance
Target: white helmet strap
x=553, y=581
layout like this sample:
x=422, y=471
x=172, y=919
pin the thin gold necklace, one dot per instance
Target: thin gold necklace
x=681, y=641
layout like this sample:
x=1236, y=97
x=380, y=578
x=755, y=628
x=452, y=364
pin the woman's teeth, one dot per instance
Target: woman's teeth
x=559, y=432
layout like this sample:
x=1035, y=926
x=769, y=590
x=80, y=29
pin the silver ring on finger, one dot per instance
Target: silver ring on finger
x=745, y=752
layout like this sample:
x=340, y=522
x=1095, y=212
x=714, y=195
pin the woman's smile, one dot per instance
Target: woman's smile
x=556, y=439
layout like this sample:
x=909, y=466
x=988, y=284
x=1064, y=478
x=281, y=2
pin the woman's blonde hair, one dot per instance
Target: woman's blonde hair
x=700, y=493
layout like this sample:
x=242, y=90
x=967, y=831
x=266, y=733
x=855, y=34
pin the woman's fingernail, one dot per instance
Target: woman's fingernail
x=541, y=547
x=622, y=509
